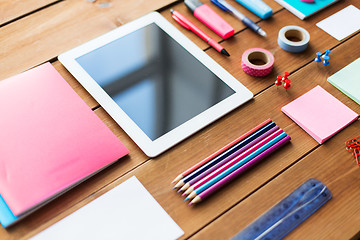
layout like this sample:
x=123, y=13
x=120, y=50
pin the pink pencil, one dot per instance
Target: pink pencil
x=232, y=162
x=239, y=171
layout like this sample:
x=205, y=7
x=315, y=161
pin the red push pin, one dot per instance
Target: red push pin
x=286, y=74
x=278, y=81
x=287, y=84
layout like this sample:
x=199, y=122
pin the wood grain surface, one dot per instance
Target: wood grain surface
x=38, y=31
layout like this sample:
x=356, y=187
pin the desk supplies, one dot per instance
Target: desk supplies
x=228, y=153
x=221, y=150
x=257, y=62
x=50, y=140
x=127, y=211
x=235, y=160
x=319, y=113
x=157, y=84
x=226, y=163
x=342, y=24
x=293, y=39
x=288, y=213
x=237, y=166
x=347, y=80
x=183, y=21
x=258, y=7
x=353, y=145
x=225, y=6
x=239, y=154
x=210, y=18
x=304, y=9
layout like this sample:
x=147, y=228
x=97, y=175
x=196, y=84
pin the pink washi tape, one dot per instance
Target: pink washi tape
x=257, y=62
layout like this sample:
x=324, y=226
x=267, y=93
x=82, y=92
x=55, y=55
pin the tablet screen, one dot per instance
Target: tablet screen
x=156, y=81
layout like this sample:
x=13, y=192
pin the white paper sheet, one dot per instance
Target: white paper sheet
x=342, y=24
x=126, y=212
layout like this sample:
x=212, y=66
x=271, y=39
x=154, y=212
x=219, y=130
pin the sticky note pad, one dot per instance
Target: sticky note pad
x=319, y=113
x=347, y=80
x=50, y=139
x=342, y=24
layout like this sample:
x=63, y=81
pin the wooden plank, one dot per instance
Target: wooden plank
x=12, y=9
x=46, y=34
x=330, y=163
x=337, y=219
x=157, y=174
x=284, y=61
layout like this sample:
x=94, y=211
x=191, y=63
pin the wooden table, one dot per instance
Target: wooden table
x=36, y=31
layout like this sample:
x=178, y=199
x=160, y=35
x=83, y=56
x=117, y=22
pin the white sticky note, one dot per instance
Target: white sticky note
x=342, y=24
x=126, y=212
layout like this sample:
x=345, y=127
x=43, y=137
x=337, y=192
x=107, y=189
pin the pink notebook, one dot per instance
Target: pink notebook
x=50, y=139
x=320, y=114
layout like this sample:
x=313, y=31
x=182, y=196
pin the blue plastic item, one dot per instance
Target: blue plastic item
x=288, y=213
x=258, y=7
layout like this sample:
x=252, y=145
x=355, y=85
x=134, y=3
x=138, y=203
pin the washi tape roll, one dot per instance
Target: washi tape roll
x=293, y=39
x=257, y=62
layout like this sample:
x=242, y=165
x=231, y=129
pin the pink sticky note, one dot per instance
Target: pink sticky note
x=50, y=140
x=319, y=113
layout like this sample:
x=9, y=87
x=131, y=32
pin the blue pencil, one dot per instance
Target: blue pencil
x=235, y=166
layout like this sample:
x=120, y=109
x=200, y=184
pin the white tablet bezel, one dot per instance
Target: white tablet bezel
x=159, y=145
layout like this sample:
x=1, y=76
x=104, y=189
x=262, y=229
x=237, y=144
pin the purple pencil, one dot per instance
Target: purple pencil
x=239, y=171
x=219, y=164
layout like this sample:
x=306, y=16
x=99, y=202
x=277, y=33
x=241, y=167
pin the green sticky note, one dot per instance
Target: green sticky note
x=347, y=80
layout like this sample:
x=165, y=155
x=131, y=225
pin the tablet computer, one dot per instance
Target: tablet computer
x=154, y=82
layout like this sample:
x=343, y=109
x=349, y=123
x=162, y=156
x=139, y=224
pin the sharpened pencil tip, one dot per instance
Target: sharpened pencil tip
x=171, y=10
x=183, y=195
x=179, y=191
x=186, y=199
x=190, y=203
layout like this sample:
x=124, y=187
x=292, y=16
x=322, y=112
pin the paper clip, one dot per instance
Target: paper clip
x=353, y=145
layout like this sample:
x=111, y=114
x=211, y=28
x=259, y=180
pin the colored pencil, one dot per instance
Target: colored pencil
x=236, y=166
x=239, y=171
x=193, y=168
x=227, y=159
x=232, y=162
x=225, y=154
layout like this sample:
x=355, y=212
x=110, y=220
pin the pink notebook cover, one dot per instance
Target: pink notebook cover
x=320, y=114
x=50, y=139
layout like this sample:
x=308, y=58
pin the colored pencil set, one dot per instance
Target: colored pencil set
x=221, y=167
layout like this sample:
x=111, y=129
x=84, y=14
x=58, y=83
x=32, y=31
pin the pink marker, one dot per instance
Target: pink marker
x=210, y=18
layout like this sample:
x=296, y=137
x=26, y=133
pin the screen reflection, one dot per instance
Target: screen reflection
x=154, y=80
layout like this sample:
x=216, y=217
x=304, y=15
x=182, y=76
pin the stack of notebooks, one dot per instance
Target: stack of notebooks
x=50, y=141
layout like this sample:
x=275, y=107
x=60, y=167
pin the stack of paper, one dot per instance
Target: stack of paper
x=126, y=212
x=50, y=141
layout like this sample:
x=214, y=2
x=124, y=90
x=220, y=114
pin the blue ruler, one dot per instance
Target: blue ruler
x=288, y=213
